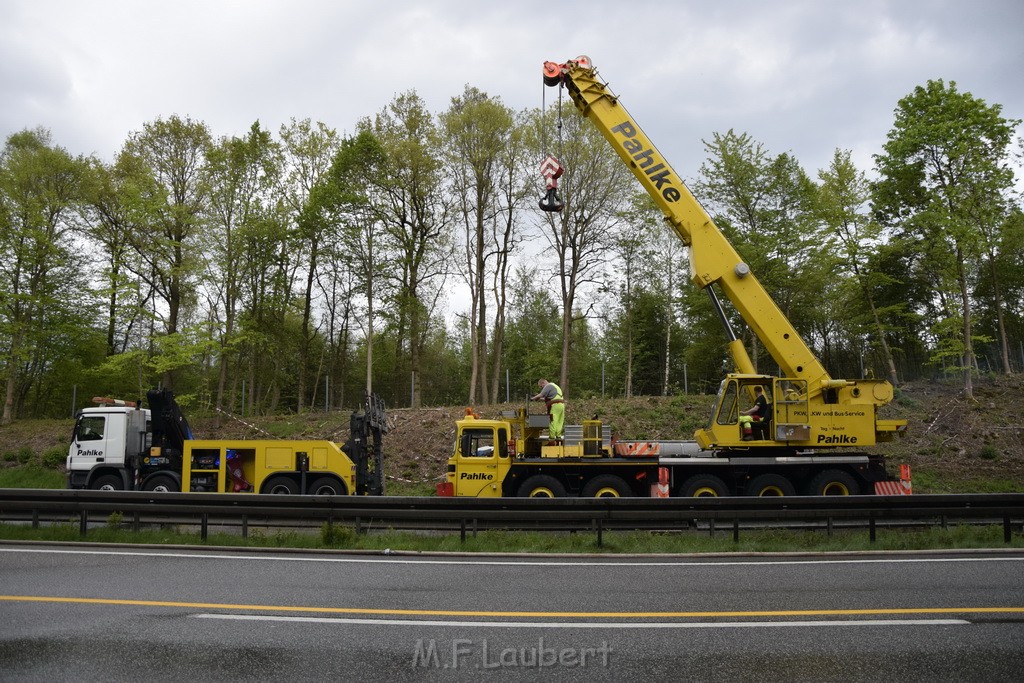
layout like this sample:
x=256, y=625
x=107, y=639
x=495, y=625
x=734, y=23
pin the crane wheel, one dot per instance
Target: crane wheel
x=606, y=486
x=833, y=483
x=770, y=485
x=541, y=486
x=703, y=485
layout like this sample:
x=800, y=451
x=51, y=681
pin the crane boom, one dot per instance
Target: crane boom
x=713, y=259
x=810, y=409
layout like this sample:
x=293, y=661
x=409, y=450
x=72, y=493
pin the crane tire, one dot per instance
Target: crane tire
x=606, y=486
x=833, y=483
x=703, y=485
x=541, y=486
x=770, y=485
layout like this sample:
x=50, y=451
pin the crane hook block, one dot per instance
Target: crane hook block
x=552, y=171
x=551, y=201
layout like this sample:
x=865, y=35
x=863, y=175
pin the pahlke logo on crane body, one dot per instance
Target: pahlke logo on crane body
x=480, y=476
x=657, y=173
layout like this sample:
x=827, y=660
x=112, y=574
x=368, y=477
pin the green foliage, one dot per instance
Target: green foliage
x=24, y=455
x=988, y=453
x=53, y=458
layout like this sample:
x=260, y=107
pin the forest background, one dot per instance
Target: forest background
x=293, y=270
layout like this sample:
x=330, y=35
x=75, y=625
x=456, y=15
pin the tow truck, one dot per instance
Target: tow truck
x=119, y=446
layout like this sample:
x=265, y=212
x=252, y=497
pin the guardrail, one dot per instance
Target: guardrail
x=472, y=514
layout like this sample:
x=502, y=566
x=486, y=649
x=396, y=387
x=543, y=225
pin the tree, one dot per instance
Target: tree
x=308, y=151
x=593, y=189
x=943, y=178
x=480, y=141
x=107, y=208
x=42, y=293
x=762, y=203
x=168, y=213
x=633, y=245
x=239, y=174
x=416, y=218
x=344, y=201
x=841, y=202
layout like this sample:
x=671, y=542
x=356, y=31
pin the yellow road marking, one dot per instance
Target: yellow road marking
x=482, y=613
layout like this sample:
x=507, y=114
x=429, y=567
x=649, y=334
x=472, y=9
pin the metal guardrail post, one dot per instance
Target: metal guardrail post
x=871, y=528
x=83, y=522
x=600, y=533
x=1006, y=529
x=204, y=528
x=736, y=530
x=245, y=526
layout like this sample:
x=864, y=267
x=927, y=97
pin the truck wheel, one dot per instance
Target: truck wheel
x=770, y=485
x=541, y=486
x=701, y=485
x=281, y=486
x=606, y=486
x=327, y=486
x=108, y=482
x=162, y=483
x=833, y=483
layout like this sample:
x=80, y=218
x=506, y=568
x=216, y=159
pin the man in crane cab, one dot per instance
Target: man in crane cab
x=551, y=394
x=755, y=413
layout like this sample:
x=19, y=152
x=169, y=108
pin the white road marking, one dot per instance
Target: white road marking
x=590, y=624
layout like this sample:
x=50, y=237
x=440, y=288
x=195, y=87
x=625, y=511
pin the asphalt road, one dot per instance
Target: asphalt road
x=131, y=614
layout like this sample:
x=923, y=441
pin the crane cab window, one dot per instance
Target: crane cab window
x=728, y=404
x=736, y=396
x=478, y=443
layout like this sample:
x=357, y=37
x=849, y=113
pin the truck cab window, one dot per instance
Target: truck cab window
x=90, y=428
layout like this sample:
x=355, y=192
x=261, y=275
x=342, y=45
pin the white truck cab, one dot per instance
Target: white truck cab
x=106, y=444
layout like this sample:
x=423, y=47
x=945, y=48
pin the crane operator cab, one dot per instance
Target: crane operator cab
x=754, y=410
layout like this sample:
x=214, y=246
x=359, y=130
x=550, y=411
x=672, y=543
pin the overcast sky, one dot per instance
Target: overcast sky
x=805, y=77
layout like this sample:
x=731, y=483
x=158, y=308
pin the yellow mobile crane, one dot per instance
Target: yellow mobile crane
x=813, y=426
x=808, y=408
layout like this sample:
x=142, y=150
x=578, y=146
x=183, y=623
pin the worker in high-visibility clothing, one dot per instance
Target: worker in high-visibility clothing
x=551, y=394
